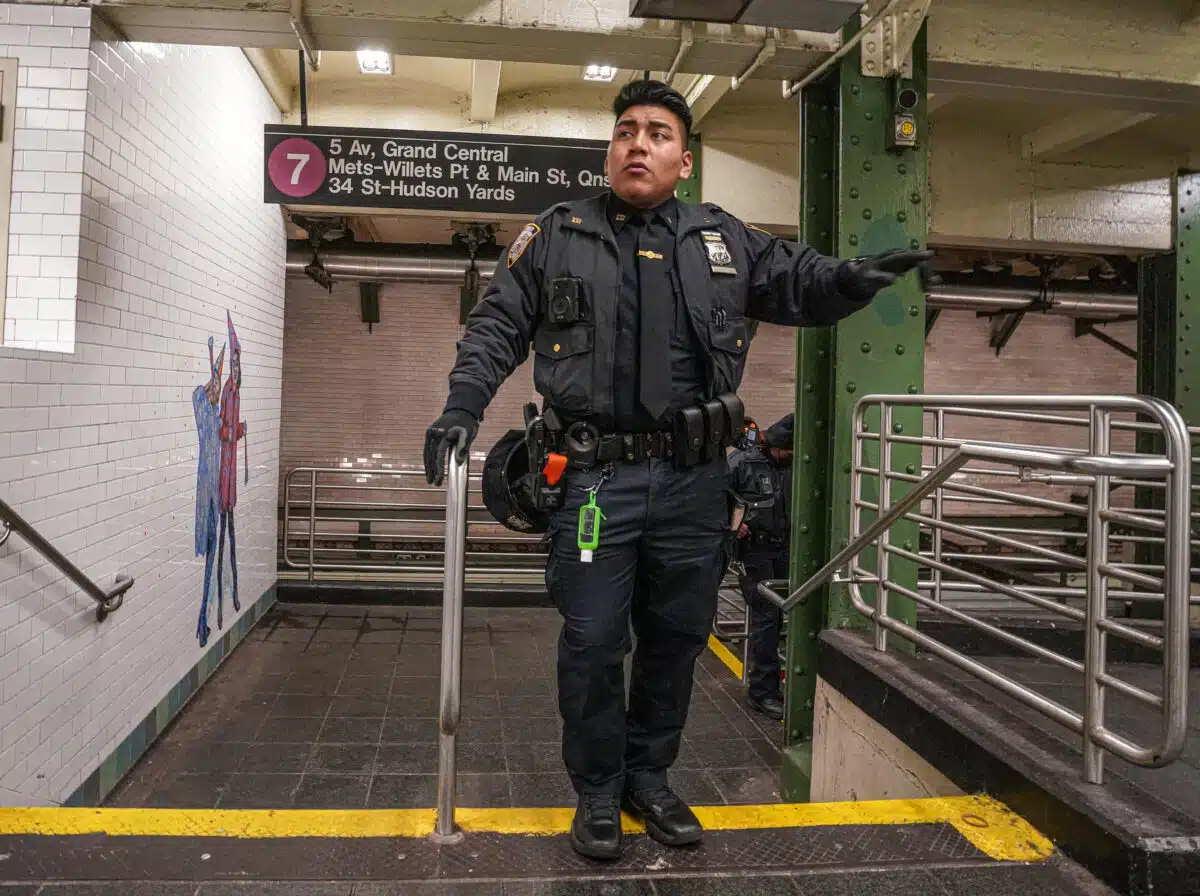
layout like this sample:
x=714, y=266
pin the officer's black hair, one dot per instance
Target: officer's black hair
x=654, y=93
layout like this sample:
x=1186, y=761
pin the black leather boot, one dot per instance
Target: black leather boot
x=668, y=818
x=596, y=831
x=771, y=707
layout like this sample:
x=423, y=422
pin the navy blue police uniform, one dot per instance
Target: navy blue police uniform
x=763, y=483
x=634, y=317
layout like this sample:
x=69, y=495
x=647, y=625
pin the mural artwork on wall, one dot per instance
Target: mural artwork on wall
x=218, y=429
x=208, y=472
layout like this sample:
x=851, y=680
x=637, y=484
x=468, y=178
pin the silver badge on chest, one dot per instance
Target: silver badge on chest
x=720, y=261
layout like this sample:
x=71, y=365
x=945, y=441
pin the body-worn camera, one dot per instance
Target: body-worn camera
x=566, y=300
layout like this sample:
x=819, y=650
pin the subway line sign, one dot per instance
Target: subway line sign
x=436, y=171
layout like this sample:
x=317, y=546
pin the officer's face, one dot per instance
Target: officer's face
x=647, y=156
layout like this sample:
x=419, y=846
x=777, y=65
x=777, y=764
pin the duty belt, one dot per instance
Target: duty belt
x=635, y=446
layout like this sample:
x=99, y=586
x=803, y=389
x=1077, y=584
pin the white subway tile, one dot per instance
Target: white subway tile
x=21, y=14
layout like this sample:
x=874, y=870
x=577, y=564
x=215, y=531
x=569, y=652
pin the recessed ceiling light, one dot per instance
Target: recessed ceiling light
x=375, y=62
x=599, y=72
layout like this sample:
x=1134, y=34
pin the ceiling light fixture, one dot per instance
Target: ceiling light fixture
x=375, y=62
x=599, y=72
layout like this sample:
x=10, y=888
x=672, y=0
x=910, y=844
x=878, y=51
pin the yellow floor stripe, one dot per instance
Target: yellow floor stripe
x=989, y=825
x=724, y=654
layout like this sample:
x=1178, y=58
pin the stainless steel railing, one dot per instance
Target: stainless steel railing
x=387, y=524
x=1076, y=457
x=107, y=601
x=450, y=705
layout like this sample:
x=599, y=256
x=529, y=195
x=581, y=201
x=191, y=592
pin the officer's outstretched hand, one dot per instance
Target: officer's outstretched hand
x=863, y=277
x=455, y=427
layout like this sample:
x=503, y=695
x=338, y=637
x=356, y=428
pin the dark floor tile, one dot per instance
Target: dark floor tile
x=547, y=790
x=766, y=751
x=890, y=882
x=332, y=792
x=481, y=730
x=290, y=636
x=371, y=659
x=413, y=664
x=19, y=889
x=298, y=705
x=124, y=888
x=523, y=706
x=541, y=729
x=728, y=753
x=282, y=888
x=403, y=792
x=406, y=759
x=275, y=758
x=576, y=887
x=267, y=684
x=356, y=759
x=351, y=731
x=289, y=730
x=419, y=707
x=695, y=787
x=405, y=730
x=195, y=756
x=322, y=684
x=377, y=685
x=534, y=757
x=740, y=885
x=747, y=786
x=481, y=706
x=259, y=791
x=520, y=687
x=188, y=791
x=358, y=707
x=230, y=729
x=481, y=758
x=483, y=791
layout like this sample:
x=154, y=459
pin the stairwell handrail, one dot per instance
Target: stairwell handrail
x=107, y=601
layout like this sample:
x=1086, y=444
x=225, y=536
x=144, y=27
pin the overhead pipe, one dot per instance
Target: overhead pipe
x=303, y=36
x=686, y=39
x=790, y=89
x=442, y=264
x=766, y=54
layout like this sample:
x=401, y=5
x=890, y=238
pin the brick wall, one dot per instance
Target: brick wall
x=51, y=45
x=98, y=448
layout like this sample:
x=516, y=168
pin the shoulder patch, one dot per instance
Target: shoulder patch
x=521, y=243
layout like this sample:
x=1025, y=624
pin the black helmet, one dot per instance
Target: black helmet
x=779, y=433
x=507, y=485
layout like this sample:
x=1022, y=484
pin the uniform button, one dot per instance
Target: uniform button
x=557, y=347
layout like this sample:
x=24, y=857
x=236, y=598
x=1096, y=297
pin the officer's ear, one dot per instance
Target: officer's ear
x=685, y=170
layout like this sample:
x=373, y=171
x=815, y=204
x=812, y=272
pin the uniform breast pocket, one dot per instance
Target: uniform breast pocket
x=562, y=369
x=729, y=342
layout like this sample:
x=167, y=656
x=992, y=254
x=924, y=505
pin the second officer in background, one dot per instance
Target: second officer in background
x=761, y=478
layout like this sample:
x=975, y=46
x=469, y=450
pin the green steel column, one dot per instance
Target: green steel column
x=858, y=198
x=688, y=189
x=1168, y=327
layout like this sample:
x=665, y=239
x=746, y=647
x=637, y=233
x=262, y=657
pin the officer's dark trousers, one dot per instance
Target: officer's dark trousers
x=661, y=556
x=762, y=678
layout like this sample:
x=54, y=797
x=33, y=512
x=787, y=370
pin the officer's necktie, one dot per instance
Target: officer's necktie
x=657, y=302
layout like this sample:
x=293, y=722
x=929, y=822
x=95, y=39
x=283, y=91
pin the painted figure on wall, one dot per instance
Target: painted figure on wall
x=232, y=429
x=208, y=471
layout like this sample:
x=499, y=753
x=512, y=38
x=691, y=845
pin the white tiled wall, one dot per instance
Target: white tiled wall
x=51, y=45
x=98, y=448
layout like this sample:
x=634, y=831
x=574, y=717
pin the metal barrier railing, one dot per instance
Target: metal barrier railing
x=107, y=601
x=386, y=523
x=450, y=704
x=960, y=469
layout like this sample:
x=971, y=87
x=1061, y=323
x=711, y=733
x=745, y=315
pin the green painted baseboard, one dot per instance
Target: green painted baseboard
x=100, y=783
x=795, y=774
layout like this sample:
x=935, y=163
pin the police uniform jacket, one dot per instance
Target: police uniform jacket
x=765, y=488
x=728, y=273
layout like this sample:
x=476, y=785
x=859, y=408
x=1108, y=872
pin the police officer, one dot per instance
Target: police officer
x=637, y=309
x=762, y=479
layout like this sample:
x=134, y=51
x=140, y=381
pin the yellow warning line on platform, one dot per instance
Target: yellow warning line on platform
x=989, y=825
x=725, y=655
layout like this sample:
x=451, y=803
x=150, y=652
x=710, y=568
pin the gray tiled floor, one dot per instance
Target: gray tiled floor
x=336, y=708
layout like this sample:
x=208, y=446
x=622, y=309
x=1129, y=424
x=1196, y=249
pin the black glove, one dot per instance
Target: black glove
x=454, y=426
x=862, y=278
